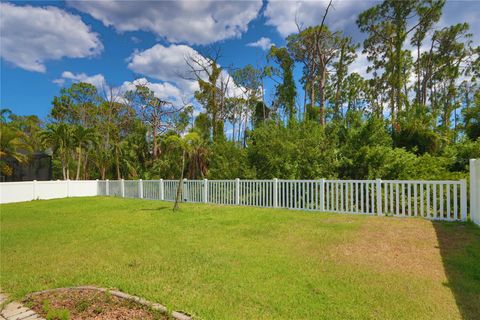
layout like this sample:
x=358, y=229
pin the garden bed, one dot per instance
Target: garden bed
x=82, y=303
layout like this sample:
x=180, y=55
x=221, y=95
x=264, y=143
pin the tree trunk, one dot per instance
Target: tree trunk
x=339, y=81
x=79, y=163
x=418, y=74
x=155, y=145
x=304, y=101
x=180, y=185
x=312, y=98
x=64, y=172
x=117, y=165
x=321, y=90
x=85, y=166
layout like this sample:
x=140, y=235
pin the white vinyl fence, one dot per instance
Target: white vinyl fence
x=475, y=190
x=33, y=190
x=438, y=200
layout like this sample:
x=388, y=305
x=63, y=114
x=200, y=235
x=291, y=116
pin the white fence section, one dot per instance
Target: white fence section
x=475, y=190
x=33, y=190
x=437, y=200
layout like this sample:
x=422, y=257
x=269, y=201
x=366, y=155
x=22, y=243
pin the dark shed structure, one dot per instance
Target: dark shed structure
x=39, y=167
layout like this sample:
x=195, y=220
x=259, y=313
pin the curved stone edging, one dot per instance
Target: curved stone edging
x=155, y=306
x=12, y=310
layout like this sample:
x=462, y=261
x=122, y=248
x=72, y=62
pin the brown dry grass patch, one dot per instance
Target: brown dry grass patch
x=397, y=245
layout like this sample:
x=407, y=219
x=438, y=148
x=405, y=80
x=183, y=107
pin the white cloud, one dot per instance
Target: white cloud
x=135, y=39
x=462, y=11
x=263, y=43
x=194, y=22
x=283, y=15
x=97, y=80
x=164, y=91
x=32, y=35
x=360, y=65
x=168, y=64
x=165, y=64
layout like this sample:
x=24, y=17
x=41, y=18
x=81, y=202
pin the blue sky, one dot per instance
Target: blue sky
x=45, y=45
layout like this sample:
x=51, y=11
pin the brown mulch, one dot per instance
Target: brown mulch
x=90, y=304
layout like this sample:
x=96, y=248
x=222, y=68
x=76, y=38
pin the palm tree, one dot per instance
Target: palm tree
x=4, y=115
x=13, y=145
x=190, y=145
x=59, y=137
x=82, y=137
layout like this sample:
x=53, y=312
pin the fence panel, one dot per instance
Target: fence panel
x=43, y=190
x=193, y=191
x=221, y=191
x=151, y=189
x=258, y=193
x=170, y=189
x=131, y=189
x=437, y=200
x=115, y=188
x=102, y=188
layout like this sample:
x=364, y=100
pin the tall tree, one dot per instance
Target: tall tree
x=316, y=47
x=285, y=89
x=81, y=137
x=59, y=137
x=76, y=104
x=346, y=57
x=388, y=25
x=13, y=145
x=213, y=84
x=156, y=113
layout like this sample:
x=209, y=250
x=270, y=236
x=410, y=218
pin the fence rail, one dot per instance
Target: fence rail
x=438, y=200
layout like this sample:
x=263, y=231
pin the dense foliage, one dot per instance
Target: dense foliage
x=416, y=116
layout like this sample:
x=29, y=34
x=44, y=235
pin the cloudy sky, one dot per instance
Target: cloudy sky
x=47, y=45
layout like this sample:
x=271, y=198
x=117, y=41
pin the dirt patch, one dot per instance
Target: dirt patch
x=395, y=245
x=88, y=304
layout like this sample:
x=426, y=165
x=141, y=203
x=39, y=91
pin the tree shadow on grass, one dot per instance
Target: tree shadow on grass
x=459, y=246
x=156, y=209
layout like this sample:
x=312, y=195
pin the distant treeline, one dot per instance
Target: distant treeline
x=417, y=116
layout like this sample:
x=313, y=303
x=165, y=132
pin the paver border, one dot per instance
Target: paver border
x=15, y=310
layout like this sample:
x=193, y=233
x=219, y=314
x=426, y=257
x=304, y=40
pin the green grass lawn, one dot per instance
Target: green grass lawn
x=225, y=262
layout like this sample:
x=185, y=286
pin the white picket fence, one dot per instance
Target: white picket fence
x=438, y=200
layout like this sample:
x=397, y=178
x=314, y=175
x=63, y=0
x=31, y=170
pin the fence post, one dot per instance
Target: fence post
x=140, y=188
x=275, y=193
x=205, y=190
x=237, y=191
x=322, y=195
x=68, y=188
x=162, y=190
x=379, y=196
x=107, y=188
x=34, y=187
x=463, y=197
x=474, y=191
x=184, y=190
x=98, y=187
x=122, y=188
